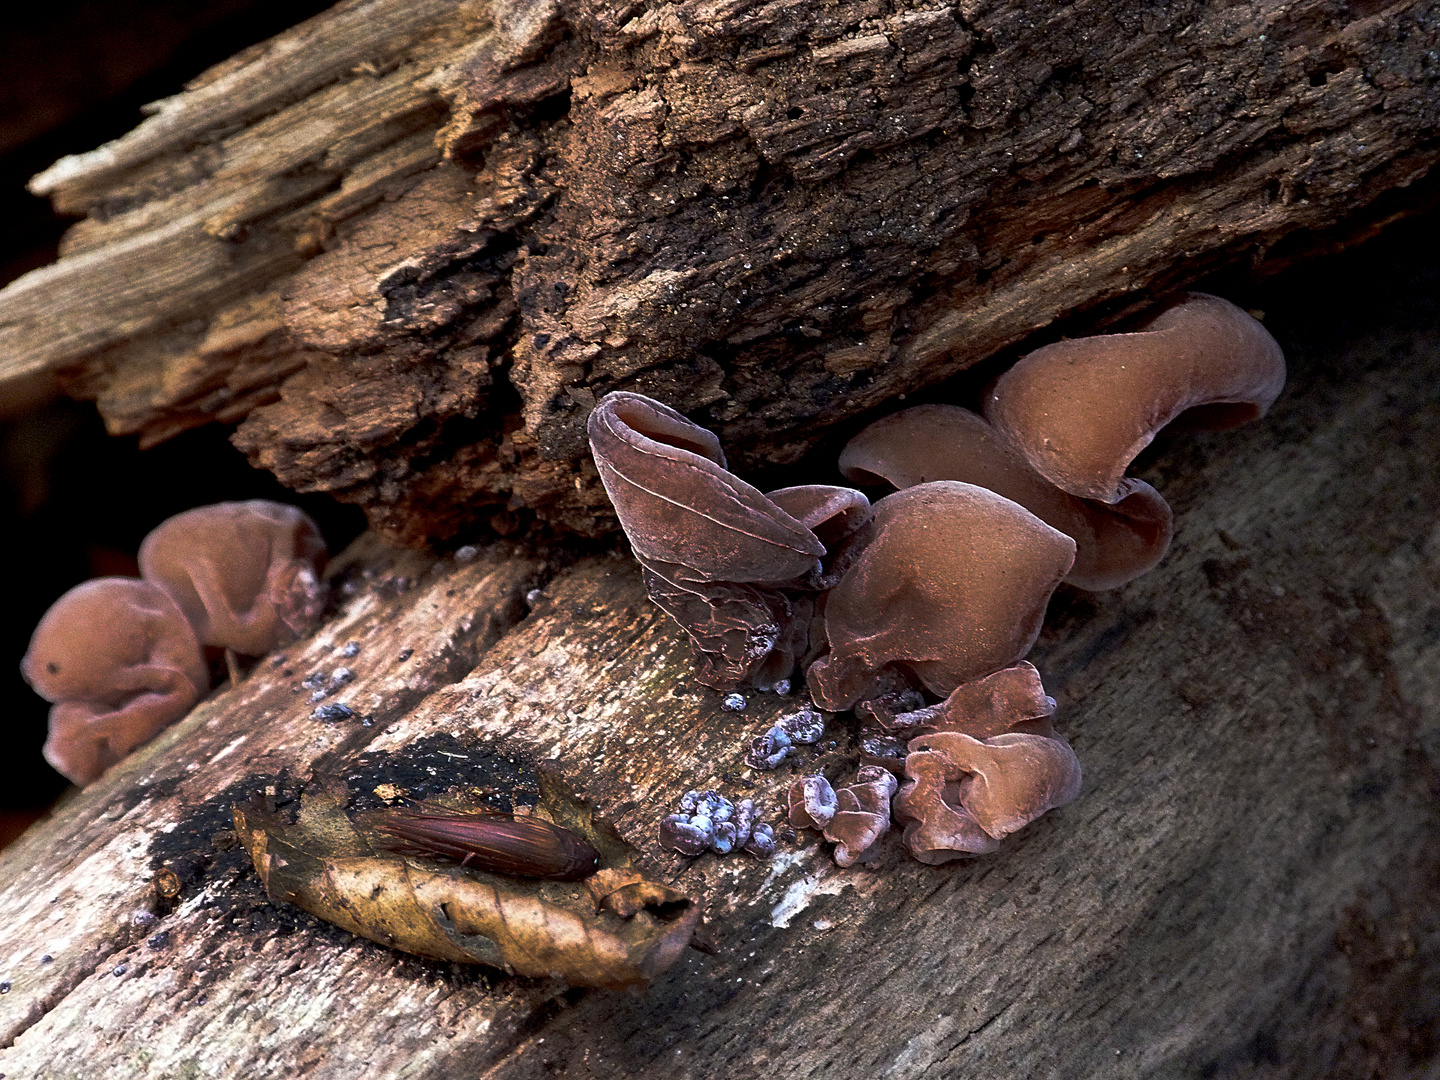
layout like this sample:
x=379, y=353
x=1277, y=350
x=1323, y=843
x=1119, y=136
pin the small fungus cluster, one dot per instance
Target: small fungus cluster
x=123, y=658
x=803, y=728
x=852, y=817
x=707, y=821
x=936, y=592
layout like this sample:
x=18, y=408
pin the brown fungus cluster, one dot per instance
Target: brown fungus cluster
x=738, y=569
x=246, y=574
x=123, y=658
x=1115, y=542
x=121, y=662
x=917, y=611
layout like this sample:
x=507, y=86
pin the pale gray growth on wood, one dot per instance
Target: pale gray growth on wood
x=1243, y=888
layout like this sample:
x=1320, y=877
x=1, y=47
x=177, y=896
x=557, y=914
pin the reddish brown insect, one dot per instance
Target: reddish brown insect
x=488, y=840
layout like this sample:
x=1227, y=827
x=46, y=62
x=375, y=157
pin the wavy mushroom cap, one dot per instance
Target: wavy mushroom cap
x=1080, y=410
x=121, y=662
x=246, y=574
x=1114, y=544
x=862, y=814
x=950, y=583
x=1011, y=699
x=938, y=828
x=687, y=517
x=811, y=802
x=831, y=513
x=1009, y=780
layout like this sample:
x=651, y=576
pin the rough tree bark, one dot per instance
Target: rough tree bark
x=1245, y=887
x=406, y=244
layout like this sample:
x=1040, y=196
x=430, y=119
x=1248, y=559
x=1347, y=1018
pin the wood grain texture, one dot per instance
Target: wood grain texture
x=1245, y=887
x=408, y=245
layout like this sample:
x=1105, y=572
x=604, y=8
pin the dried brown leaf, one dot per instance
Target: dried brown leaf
x=327, y=865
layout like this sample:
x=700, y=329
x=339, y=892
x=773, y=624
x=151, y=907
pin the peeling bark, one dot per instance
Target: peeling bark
x=1246, y=885
x=406, y=245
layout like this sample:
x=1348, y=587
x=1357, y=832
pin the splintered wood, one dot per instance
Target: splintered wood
x=406, y=245
x=1245, y=885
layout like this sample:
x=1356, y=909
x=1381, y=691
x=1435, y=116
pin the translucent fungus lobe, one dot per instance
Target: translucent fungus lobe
x=121, y=662
x=246, y=574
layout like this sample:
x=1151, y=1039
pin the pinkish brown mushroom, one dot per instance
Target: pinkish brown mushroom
x=811, y=802
x=950, y=583
x=121, y=662
x=1007, y=780
x=246, y=574
x=688, y=518
x=831, y=513
x=1114, y=543
x=862, y=814
x=989, y=763
x=938, y=827
x=734, y=567
x=1080, y=410
x=1011, y=699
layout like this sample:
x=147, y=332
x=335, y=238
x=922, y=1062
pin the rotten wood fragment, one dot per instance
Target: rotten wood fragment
x=1244, y=886
x=407, y=245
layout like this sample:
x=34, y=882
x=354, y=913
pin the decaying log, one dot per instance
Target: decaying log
x=408, y=243
x=1245, y=887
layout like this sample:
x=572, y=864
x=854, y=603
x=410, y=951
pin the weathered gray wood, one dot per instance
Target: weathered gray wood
x=74, y=883
x=1246, y=886
x=773, y=214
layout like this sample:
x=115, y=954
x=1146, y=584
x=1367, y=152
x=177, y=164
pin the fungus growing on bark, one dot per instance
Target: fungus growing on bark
x=689, y=520
x=1011, y=699
x=121, y=662
x=852, y=817
x=831, y=513
x=1114, y=543
x=950, y=583
x=728, y=563
x=246, y=574
x=1009, y=779
x=990, y=763
x=938, y=828
x=707, y=821
x=862, y=814
x=767, y=751
x=1080, y=410
x=812, y=802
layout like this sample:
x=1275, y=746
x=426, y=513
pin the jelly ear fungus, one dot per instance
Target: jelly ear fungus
x=988, y=763
x=1080, y=410
x=246, y=574
x=121, y=663
x=736, y=568
x=949, y=583
x=1115, y=542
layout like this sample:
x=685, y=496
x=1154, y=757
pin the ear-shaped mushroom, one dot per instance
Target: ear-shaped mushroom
x=121, y=662
x=1114, y=544
x=812, y=802
x=1081, y=410
x=950, y=583
x=1011, y=699
x=862, y=814
x=687, y=517
x=1009, y=780
x=938, y=827
x=831, y=513
x=730, y=565
x=246, y=574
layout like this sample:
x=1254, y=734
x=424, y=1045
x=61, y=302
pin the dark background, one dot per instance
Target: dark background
x=75, y=502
